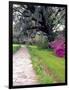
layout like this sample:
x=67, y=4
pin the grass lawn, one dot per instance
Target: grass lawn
x=15, y=48
x=49, y=68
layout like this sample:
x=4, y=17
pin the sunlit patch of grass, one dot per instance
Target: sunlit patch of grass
x=45, y=57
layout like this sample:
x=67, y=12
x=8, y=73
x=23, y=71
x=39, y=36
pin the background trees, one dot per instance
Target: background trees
x=29, y=19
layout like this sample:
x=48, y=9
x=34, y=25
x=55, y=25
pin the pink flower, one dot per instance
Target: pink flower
x=59, y=52
x=59, y=47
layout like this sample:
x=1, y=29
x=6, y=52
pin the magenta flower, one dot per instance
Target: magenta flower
x=59, y=52
x=59, y=47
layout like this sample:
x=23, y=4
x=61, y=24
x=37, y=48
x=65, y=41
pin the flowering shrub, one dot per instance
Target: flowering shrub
x=59, y=46
x=59, y=52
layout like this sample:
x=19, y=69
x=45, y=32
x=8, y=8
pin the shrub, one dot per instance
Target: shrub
x=41, y=40
x=59, y=52
x=59, y=46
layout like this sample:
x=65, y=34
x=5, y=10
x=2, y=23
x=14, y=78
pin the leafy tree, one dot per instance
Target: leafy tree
x=29, y=18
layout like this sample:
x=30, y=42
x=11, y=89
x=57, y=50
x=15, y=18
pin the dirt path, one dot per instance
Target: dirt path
x=23, y=73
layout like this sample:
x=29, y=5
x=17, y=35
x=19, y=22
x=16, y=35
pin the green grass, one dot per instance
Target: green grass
x=15, y=48
x=49, y=68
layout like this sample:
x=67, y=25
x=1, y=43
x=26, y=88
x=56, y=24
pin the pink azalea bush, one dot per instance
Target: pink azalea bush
x=58, y=46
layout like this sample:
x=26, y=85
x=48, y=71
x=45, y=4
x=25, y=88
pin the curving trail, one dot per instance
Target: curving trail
x=23, y=72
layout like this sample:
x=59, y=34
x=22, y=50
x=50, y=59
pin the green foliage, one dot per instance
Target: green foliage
x=41, y=41
x=48, y=67
x=16, y=48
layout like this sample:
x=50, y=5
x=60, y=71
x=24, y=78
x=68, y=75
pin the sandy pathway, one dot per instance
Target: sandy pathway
x=23, y=73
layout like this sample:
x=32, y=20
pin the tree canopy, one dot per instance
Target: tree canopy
x=28, y=19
